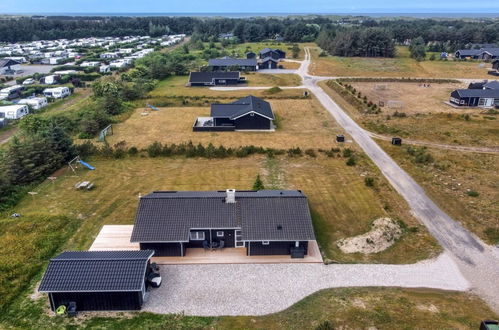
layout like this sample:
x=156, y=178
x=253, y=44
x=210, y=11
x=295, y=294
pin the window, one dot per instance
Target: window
x=481, y=102
x=220, y=234
x=265, y=242
x=197, y=235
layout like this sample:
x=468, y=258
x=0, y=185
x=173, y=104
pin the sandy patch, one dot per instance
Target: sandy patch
x=383, y=234
x=428, y=308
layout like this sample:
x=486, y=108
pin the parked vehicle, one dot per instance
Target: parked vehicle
x=14, y=111
x=12, y=92
x=57, y=92
x=29, y=81
x=35, y=103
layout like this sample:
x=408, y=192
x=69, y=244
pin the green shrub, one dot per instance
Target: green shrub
x=310, y=152
x=473, y=193
x=351, y=161
x=369, y=182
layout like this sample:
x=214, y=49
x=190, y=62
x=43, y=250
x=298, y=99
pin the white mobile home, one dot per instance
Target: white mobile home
x=11, y=92
x=57, y=92
x=14, y=111
x=36, y=103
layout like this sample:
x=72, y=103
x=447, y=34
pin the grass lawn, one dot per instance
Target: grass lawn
x=400, y=66
x=241, y=49
x=450, y=182
x=302, y=123
x=343, y=206
x=426, y=118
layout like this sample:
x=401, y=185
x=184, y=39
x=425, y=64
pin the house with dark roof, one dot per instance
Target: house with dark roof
x=488, y=53
x=268, y=63
x=266, y=222
x=483, y=98
x=250, y=55
x=494, y=84
x=467, y=53
x=248, y=113
x=8, y=66
x=274, y=53
x=98, y=280
x=215, y=78
x=232, y=64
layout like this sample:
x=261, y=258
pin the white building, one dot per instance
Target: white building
x=14, y=111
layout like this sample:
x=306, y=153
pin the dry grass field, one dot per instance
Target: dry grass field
x=343, y=205
x=451, y=181
x=426, y=118
x=302, y=123
x=290, y=65
x=400, y=66
x=416, y=99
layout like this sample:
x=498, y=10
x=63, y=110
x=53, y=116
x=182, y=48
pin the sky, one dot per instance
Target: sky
x=252, y=6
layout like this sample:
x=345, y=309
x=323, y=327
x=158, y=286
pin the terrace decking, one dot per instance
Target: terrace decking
x=117, y=237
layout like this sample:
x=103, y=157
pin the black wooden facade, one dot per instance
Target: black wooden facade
x=267, y=64
x=252, y=121
x=273, y=247
x=98, y=301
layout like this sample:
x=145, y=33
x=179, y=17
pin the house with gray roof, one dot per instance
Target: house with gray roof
x=248, y=113
x=232, y=64
x=266, y=222
x=99, y=280
x=215, y=78
x=482, y=98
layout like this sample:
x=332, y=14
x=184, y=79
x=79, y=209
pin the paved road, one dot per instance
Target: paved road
x=249, y=289
x=478, y=262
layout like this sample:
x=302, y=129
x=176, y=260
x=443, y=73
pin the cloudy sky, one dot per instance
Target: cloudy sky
x=253, y=6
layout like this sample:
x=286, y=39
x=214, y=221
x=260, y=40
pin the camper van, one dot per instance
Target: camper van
x=12, y=92
x=57, y=92
x=50, y=80
x=35, y=103
x=14, y=111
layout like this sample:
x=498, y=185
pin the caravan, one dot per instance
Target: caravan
x=14, y=111
x=12, y=92
x=36, y=103
x=57, y=92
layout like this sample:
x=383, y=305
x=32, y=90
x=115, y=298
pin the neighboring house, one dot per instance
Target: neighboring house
x=8, y=66
x=488, y=53
x=98, y=280
x=248, y=113
x=215, y=78
x=35, y=103
x=495, y=65
x=14, y=111
x=494, y=84
x=268, y=63
x=250, y=55
x=266, y=222
x=483, y=98
x=232, y=64
x=276, y=54
x=467, y=53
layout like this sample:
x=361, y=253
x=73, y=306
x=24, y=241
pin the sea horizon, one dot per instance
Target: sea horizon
x=247, y=15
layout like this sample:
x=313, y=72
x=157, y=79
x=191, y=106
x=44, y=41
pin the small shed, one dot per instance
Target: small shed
x=396, y=141
x=98, y=280
x=340, y=138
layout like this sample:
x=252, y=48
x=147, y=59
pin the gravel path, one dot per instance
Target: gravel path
x=245, y=289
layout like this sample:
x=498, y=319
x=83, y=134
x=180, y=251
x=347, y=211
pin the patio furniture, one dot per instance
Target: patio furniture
x=298, y=252
x=214, y=245
x=71, y=310
x=206, y=245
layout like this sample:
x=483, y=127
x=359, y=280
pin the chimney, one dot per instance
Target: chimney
x=231, y=196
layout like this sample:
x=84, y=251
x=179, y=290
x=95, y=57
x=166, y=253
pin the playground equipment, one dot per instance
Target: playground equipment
x=73, y=164
x=152, y=107
x=108, y=130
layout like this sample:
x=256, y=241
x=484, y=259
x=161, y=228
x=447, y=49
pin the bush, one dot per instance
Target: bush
x=347, y=152
x=155, y=149
x=310, y=152
x=369, y=182
x=351, y=161
x=274, y=90
x=473, y=193
x=258, y=185
x=133, y=151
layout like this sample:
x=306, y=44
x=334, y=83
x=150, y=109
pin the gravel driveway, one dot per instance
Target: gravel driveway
x=245, y=289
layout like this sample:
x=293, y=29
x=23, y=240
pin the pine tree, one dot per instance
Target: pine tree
x=258, y=185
